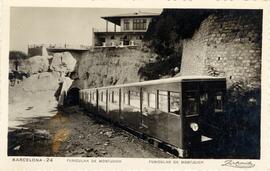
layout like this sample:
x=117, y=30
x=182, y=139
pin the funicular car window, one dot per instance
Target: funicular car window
x=85, y=96
x=203, y=98
x=86, y=99
x=163, y=100
x=109, y=97
x=116, y=96
x=152, y=100
x=112, y=96
x=90, y=96
x=94, y=96
x=218, y=102
x=174, y=102
x=145, y=108
x=135, y=99
x=191, y=104
x=145, y=99
x=93, y=101
x=125, y=97
x=101, y=96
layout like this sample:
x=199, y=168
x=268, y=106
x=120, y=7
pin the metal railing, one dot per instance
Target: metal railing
x=59, y=46
x=116, y=44
x=96, y=30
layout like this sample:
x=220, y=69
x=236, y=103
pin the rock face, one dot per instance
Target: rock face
x=63, y=63
x=32, y=98
x=46, y=81
x=35, y=64
x=45, y=75
x=60, y=62
x=110, y=66
x=66, y=83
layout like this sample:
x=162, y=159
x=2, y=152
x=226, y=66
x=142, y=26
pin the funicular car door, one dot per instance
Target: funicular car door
x=203, y=106
x=212, y=112
x=190, y=119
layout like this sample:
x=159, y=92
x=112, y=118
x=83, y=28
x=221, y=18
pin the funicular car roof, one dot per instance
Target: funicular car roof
x=164, y=81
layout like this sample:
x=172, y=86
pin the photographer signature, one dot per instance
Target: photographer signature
x=238, y=164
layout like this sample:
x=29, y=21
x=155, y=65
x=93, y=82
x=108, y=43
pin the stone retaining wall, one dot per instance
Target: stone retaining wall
x=227, y=44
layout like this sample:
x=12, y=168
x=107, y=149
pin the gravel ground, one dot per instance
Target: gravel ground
x=74, y=133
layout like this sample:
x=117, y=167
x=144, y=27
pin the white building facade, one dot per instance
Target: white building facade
x=132, y=29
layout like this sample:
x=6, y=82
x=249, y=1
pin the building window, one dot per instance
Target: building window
x=126, y=25
x=139, y=24
x=112, y=37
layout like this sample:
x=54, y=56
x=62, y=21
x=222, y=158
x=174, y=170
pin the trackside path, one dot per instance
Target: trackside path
x=74, y=133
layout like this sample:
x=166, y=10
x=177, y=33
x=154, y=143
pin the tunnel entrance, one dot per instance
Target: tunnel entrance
x=72, y=97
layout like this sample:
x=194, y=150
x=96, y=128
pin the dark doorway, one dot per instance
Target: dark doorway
x=72, y=97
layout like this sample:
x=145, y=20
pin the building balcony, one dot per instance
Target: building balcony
x=117, y=44
x=104, y=31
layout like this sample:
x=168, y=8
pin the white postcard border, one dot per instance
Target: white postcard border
x=62, y=163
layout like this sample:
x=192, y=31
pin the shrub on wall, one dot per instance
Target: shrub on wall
x=163, y=66
x=165, y=35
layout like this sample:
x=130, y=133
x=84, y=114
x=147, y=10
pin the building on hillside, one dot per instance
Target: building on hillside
x=49, y=49
x=132, y=29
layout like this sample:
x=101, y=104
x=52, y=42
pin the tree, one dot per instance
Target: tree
x=17, y=57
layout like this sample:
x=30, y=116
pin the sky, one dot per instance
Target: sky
x=40, y=25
